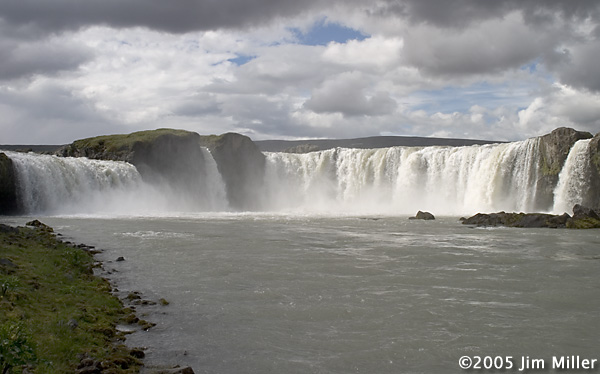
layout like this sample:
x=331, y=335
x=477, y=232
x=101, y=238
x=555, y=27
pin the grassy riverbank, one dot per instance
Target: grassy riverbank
x=55, y=315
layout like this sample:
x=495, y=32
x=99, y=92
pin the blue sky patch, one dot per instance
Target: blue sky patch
x=242, y=59
x=323, y=32
x=461, y=99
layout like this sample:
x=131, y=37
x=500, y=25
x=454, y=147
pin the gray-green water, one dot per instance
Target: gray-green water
x=260, y=293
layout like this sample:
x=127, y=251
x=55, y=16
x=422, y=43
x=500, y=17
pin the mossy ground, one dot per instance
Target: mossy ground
x=66, y=312
x=113, y=143
x=583, y=223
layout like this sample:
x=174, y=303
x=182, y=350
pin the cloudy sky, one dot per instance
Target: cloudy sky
x=288, y=69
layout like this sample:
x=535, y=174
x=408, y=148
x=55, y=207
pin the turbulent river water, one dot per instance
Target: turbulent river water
x=277, y=293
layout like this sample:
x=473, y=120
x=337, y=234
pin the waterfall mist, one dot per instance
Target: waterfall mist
x=77, y=185
x=396, y=180
x=446, y=180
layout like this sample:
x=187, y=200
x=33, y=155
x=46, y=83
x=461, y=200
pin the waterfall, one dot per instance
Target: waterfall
x=445, y=180
x=214, y=186
x=574, y=179
x=65, y=185
x=396, y=180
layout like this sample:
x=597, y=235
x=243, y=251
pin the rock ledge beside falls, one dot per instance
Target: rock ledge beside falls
x=583, y=218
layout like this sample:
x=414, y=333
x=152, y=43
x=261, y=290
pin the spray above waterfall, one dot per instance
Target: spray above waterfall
x=447, y=180
x=65, y=185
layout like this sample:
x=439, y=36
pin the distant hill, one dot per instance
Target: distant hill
x=301, y=146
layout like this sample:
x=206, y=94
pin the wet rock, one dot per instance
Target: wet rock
x=8, y=229
x=175, y=370
x=120, y=258
x=163, y=302
x=37, y=224
x=580, y=211
x=8, y=263
x=8, y=186
x=584, y=218
x=553, y=151
x=137, y=352
x=242, y=167
x=424, y=216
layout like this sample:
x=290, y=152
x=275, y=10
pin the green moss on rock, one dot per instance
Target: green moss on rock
x=583, y=223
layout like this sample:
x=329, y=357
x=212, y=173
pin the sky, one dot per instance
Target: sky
x=289, y=69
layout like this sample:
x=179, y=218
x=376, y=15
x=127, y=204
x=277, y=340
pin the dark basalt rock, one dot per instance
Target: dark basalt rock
x=554, y=149
x=583, y=218
x=175, y=157
x=167, y=156
x=594, y=149
x=241, y=165
x=424, y=216
x=8, y=186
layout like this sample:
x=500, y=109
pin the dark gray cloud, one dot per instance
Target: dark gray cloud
x=462, y=13
x=50, y=114
x=192, y=15
x=46, y=58
x=578, y=66
x=489, y=47
x=171, y=16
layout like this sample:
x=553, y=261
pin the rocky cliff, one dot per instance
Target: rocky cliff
x=241, y=165
x=554, y=149
x=175, y=157
x=8, y=188
x=594, y=150
x=164, y=156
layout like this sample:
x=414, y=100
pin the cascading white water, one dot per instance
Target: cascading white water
x=446, y=180
x=397, y=180
x=76, y=185
x=51, y=184
x=574, y=179
x=216, y=196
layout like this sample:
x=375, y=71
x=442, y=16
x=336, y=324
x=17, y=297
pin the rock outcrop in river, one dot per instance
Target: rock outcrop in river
x=583, y=218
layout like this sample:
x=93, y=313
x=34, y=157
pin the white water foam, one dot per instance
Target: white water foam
x=68, y=185
x=574, y=179
x=447, y=180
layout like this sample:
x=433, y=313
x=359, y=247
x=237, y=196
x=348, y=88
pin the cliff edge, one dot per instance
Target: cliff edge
x=8, y=186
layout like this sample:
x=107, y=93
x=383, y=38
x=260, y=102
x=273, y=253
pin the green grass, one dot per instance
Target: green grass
x=60, y=309
x=113, y=143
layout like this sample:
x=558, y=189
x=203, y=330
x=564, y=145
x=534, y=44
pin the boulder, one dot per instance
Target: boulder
x=8, y=186
x=175, y=370
x=424, y=216
x=583, y=218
